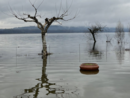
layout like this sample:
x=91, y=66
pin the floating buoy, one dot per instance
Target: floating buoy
x=89, y=66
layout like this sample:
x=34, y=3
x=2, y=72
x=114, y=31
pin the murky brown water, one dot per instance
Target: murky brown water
x=24, y=74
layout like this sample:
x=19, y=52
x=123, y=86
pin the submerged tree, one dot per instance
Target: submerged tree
x=95, y=51
x=119, y=32
x=48, y=21
x=95, y=29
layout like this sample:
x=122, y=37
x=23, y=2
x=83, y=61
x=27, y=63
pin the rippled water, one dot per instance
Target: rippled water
x=24, y=74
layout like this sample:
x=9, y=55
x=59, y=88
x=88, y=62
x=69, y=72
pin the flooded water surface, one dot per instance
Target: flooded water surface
x=25, y=74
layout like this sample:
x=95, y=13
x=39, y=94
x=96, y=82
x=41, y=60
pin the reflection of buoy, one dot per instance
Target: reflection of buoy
x=89, y=72
x=89, y=66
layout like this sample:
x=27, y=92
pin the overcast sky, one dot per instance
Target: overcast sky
x=106, y=12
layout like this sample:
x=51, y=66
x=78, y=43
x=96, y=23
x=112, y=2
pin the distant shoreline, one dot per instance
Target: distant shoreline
x=52, y=29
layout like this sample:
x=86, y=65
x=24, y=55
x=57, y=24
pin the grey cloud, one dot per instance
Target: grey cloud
x=108, y=12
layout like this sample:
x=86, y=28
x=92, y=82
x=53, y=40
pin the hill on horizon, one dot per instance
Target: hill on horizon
x=52, y=29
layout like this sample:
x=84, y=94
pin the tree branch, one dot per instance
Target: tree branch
x=33, y=18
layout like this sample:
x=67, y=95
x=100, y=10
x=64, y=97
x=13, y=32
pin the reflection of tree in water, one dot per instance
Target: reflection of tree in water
x=94, y=51
x=58, y=90
x=120, y=52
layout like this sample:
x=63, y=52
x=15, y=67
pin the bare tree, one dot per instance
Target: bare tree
x=128, y=29
x=95, y=29
x=119, y=32
x=48, y=21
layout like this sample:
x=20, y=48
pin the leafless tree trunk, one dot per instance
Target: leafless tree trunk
x=93, y=46
x=48, y=21
x=95, y=51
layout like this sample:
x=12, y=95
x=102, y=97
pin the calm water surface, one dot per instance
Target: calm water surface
x=24, y=74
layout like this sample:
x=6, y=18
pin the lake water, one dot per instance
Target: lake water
x=24, y=74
